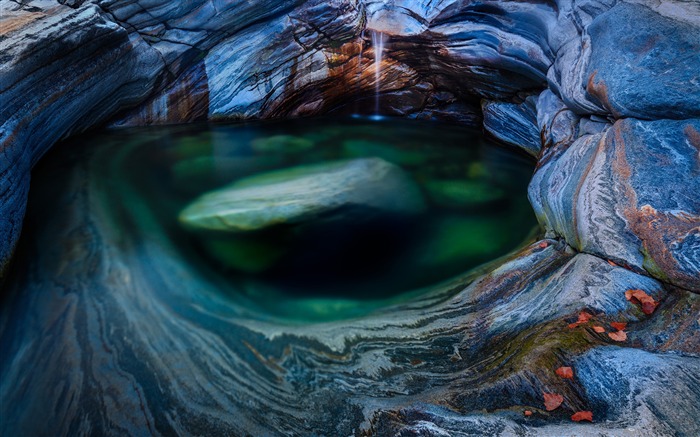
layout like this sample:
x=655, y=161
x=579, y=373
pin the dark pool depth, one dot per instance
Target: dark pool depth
x=318, y=219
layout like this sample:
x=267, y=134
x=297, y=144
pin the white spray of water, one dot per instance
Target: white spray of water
x=378, y=40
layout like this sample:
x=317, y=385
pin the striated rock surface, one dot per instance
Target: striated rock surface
x=514, y=124
x=168, y=339
x=108, y=332
x=604, y=198
x=63, y=70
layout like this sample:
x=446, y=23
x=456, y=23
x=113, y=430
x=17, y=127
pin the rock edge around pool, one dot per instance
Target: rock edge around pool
x=299, y=194
x=603, y=197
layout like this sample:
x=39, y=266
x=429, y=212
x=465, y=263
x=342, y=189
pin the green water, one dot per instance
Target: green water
x=452, y=203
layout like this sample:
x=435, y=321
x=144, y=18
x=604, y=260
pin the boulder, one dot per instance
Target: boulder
x=643, y=64
x=304, y=193
x=604, y=196
x=628, y=59
x=514, y=123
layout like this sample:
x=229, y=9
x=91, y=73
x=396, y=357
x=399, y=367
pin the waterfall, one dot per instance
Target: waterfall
x=358, y=86
x=378, y=40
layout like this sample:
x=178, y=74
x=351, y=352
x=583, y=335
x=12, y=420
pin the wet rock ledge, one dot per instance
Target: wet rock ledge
x=604, y=94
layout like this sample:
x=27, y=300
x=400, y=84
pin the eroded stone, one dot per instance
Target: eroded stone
x=304, y=193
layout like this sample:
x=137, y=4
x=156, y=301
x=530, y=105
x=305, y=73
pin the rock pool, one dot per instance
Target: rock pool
x=321, y=220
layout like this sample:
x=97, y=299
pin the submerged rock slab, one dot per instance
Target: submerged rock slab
x=304, y=193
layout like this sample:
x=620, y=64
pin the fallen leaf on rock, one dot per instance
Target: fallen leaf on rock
x=639, y=297
x=552, y=401
x=582, y=415
x=599, y=329
x=528, y=413
x=583, y=317
x=565, y=372
x=620, y=326
x=612, y=263
x=543, y=245
x=618, y=336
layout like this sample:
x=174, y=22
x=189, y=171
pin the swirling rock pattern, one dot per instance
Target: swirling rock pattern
x=604, y=198
x=43, y=101
x=98, y=338
x=103, y=366
x=514, y=124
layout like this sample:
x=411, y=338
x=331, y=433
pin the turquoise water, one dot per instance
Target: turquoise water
x=318, y=219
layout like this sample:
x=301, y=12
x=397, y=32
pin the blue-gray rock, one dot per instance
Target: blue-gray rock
x=558, y=125
x=491, y=49
x=628, y=59
x=635, y=385
x=514, y=124
x=62, y=70
x=603, y=195
x=643, y=64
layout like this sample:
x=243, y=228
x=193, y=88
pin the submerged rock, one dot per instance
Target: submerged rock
x=282, y=143
x=463, y=193
x=303, y=193
x=388, y=151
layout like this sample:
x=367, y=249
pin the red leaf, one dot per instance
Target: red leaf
x=528, y=413
x=543, y=245
x=618, y=336
x=552, y=401
x=565, y=372
x=584, y=316
x=582, y=415
x=612, y=263
x=620, y=326
x=599, y=329
x=648, y=307
x=639, y=297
